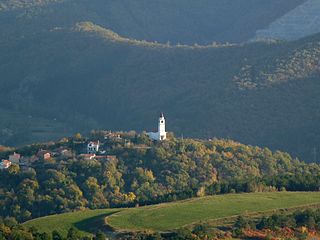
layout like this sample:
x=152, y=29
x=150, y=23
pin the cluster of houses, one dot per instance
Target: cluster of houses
x=18, y=159
x=93, y=149
x=92, y=152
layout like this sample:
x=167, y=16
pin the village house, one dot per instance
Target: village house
x=4, y=164
x=112, y=135
x=44, y=154
x=15, y=158
x=93, y=147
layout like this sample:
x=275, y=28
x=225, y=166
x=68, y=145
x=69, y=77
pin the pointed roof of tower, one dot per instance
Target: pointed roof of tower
x=161, y=115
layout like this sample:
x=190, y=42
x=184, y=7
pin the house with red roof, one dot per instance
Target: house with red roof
x=4, y=164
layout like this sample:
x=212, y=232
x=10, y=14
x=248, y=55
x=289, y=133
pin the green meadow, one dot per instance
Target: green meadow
x=168, y=216
x=86, y=222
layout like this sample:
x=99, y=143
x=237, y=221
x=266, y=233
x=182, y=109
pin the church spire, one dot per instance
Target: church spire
x=161, y=134
x=162, y=128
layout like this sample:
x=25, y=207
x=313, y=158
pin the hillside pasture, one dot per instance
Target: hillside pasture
x=169, y=216
x=86, y=222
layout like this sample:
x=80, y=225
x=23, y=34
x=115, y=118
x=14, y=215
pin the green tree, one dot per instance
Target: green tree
x=56, y=235
x=73, y=234
x=100, y=236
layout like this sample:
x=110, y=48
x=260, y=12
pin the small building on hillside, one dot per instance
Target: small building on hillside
x=112, y=135
x=161, y=134
x=93, y=147
x=4, y=164
x=15, y=158
x=44, y=154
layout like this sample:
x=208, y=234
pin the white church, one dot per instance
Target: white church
x=161, y=134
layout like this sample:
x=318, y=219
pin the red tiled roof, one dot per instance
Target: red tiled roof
x=5, y=163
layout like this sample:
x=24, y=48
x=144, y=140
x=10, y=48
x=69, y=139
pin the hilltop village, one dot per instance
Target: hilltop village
x=98, y=146
x=128, y=169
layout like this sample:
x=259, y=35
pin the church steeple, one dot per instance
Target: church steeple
x=162, y=127
x=161, y=134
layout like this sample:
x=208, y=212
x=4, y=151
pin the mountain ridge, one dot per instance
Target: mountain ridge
x=108, y=34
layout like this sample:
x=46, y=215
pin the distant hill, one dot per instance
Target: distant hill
x=302, y=21
x=74, y=66
x=175, y=21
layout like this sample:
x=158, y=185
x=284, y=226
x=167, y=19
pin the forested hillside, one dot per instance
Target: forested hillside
x=65, y=74
x=139, y=171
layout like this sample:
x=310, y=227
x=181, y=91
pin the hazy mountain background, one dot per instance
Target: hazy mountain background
x=299, y=22
x=74, y=65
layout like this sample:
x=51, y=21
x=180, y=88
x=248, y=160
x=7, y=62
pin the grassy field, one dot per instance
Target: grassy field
x=86, y=221
x=168, y=216
x=174, y=215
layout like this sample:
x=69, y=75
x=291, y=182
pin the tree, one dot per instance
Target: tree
x=73, y=234
x=14, y=169
x=183, y=234
x=100, y=236
x=241, y=223
x=56, y=235
x=78, y=136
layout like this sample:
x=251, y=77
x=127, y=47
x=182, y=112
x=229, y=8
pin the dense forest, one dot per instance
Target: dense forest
x=144, y=172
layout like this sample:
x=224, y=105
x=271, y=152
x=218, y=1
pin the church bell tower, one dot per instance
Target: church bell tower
x=162, y=127
x=161, y=134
